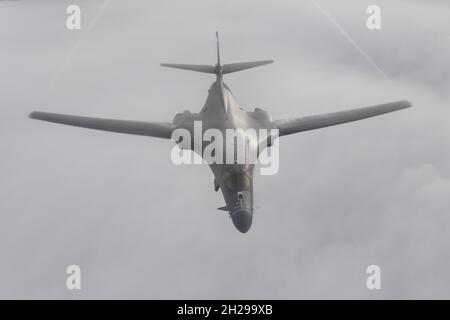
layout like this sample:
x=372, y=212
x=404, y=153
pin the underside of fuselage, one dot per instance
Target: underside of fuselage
x=222, y=111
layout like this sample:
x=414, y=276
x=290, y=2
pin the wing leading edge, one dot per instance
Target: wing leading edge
x=294, y=125
x=152, y=129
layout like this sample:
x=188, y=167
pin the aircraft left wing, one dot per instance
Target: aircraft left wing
x=152, y=129
x=294, y=125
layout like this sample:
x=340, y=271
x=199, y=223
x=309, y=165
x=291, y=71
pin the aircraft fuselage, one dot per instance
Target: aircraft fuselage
x=221, y=112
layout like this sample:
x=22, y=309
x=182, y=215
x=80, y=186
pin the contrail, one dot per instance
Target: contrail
x=77, y=45
x=349, y=38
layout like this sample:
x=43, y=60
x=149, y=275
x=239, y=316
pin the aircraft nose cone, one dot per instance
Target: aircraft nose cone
x=242, y=220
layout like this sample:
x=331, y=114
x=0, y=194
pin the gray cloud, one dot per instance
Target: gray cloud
x=373, y=192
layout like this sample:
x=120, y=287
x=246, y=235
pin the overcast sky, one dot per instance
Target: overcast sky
x=370, y=192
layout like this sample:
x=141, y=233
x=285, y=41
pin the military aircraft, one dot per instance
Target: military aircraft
x=221, y=111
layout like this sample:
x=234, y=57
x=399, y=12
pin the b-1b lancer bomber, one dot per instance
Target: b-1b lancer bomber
x=221, y=112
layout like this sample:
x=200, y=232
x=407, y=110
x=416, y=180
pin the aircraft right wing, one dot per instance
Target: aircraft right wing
x=152, y=129
x=294, y=125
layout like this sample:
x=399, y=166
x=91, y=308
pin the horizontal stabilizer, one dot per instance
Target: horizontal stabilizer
x=152, y=129
x=218, y=69
x=191, y=67
x=234, y=67
x=226, y=68
x=225, y=208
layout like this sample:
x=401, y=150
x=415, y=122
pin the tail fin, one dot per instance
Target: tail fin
x=218, y=69
x=218, y=49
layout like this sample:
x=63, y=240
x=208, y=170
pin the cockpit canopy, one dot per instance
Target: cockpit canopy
x=236, y=181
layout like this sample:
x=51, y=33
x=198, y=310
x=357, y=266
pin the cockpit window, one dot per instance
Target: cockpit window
x=236, y=181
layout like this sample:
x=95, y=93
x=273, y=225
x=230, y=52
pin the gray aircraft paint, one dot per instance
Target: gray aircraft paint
x=221, y=111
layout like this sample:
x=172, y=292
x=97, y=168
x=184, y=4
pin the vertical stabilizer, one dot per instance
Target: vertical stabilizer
x=218, y=49
x=218, y=69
